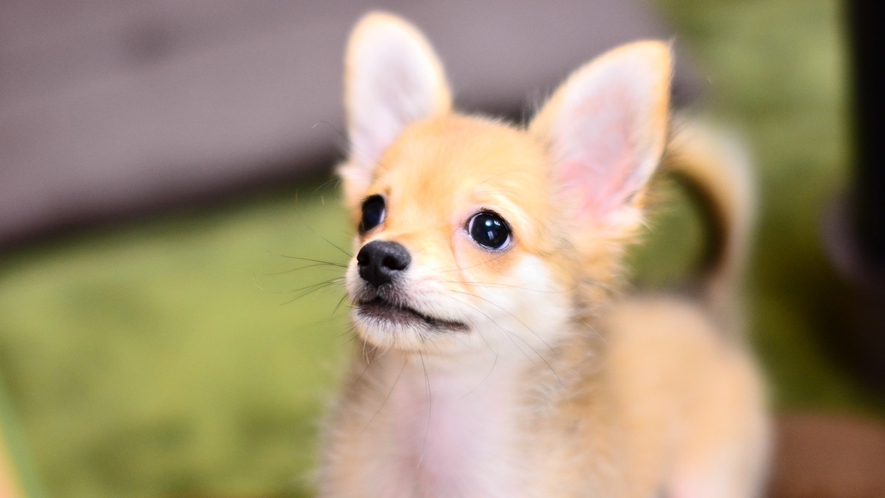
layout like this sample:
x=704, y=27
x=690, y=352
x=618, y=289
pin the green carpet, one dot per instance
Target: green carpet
x=173, y=356
x=192, y=355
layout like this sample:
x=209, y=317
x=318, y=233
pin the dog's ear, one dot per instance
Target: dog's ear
x=392, y=79
x=606, y=127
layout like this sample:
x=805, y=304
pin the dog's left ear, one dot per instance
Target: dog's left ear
x=392, y=79
x=606, y=127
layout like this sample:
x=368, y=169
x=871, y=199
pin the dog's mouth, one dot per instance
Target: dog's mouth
x=380, y=309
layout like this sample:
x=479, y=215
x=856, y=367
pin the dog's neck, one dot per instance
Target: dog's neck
x=449, y=425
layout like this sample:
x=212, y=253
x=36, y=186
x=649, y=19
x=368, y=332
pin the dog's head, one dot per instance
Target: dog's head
x=473, y=232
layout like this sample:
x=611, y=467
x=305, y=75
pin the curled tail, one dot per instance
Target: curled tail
x=714, y=168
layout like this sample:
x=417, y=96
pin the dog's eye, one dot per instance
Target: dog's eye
x=489, y=230
x=373, y=213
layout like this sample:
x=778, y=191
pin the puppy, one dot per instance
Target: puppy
x=498, y=357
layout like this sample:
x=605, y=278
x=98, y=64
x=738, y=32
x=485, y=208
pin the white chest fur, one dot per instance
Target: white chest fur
x=444, y=431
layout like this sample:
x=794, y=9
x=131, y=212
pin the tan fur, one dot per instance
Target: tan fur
x=560, y=386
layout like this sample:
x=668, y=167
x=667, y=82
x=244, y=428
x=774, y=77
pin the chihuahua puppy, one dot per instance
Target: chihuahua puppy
x=498, y=357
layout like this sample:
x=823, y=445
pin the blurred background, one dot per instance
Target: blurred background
x=166, y=328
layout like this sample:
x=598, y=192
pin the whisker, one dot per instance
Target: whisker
x=338, y=247
x=511, y=314
x=364, y=351
x=334, y=179
x=325, y=239
x=309, y=260
x=369, y=360
x=346, y=333
x=390, y=393
x=293, y=270
x=346, y=142
x=489, y=374
x=429, y=408
x=322, y=324
x=307, y=225
x=311, y=286
x=310, y=289
x=340, y=302
x=351, y=338
x=509, y=334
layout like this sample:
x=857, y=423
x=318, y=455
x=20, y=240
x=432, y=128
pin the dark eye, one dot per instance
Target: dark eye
x=489, y=230
x=373, y=213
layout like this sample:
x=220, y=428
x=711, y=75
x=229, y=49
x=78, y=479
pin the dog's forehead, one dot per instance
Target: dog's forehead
x=464, y=160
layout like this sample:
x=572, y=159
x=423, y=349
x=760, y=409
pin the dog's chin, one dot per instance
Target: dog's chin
x=393, y=325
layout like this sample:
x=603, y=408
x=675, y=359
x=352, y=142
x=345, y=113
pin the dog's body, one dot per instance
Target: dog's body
x=497, y=358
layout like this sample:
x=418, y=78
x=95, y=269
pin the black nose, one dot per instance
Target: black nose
x=380, y=261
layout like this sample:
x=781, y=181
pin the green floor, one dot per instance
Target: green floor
x=189, y=355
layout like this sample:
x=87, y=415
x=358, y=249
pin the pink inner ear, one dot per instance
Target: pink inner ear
x=599, y=159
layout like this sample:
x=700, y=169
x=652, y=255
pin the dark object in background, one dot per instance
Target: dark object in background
x=868, y=45
x=855, y=228
x=112, y=109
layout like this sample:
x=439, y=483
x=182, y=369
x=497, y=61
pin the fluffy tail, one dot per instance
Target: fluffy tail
x=714, y=167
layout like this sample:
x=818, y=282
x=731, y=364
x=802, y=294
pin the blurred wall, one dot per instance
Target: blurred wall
x=110, y=108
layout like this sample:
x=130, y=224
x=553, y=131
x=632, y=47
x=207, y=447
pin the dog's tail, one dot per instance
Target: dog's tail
x=714, y=168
